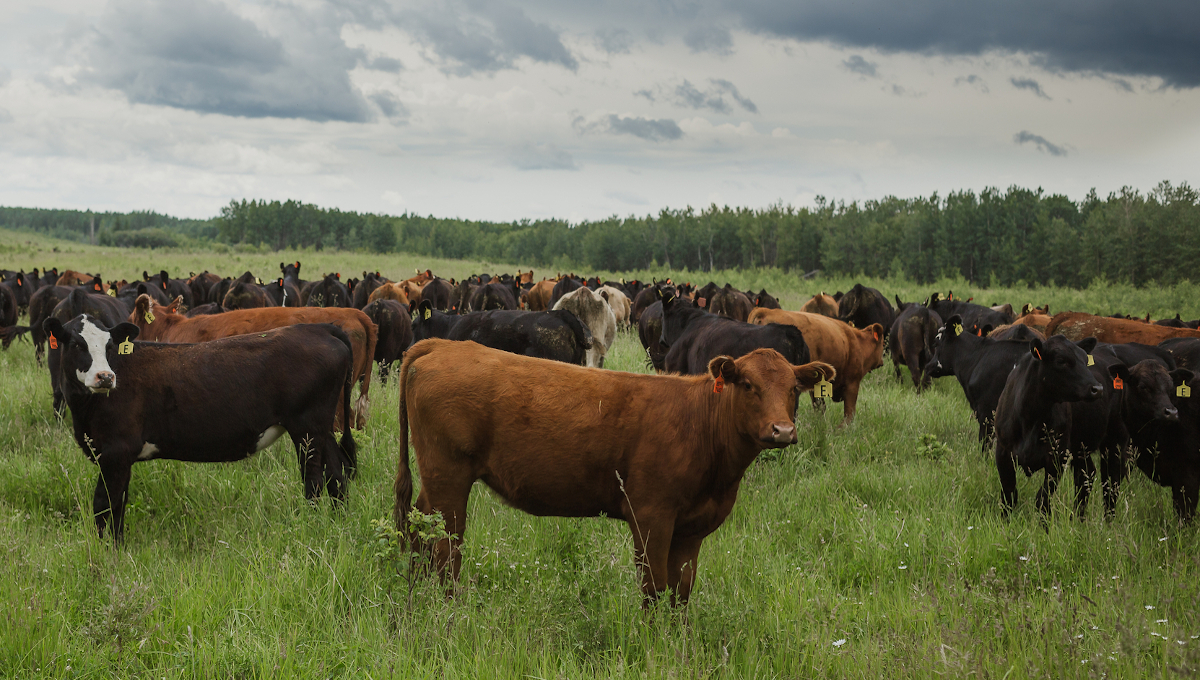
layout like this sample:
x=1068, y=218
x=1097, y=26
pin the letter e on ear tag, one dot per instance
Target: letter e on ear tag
x=112, y=292
x=1118, y=384
x=958, y=329
x=125, y=347
x=149, y=317
x=719, y=384
x=1183, y=391
x=1091, y=360
x=428, y=313
x=823, y=389
x=53, y=342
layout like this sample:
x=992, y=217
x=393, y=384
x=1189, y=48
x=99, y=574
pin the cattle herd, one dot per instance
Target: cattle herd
x=215, y=369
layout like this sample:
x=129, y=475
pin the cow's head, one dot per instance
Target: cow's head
x=85, y=350
x=762, y=390
x=1148, y=389
x=870, y=344
x=950, y=338
x=1062, y=366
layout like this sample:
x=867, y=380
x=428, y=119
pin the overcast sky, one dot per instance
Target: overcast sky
x=504, y=110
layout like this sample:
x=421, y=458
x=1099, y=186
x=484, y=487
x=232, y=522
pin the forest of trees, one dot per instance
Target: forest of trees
x=1001, y=237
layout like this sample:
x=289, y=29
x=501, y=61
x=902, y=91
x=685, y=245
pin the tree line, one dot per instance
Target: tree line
x=1013, y=237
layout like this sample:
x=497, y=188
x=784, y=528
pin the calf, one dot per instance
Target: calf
x=395, y=333
x=665, y=454
x=1034, y=418
x=911, y=340
x=853, y=352
x=693, y=338
x=158, y=323
x=821, y=304
x=132, y=402
x=592, y=309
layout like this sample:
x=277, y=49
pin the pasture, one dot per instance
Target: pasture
x=873, y=550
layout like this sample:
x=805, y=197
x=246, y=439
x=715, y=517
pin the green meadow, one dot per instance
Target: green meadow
x=873, y=550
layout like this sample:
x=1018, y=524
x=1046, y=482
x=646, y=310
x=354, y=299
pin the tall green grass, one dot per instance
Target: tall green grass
x=872, y=550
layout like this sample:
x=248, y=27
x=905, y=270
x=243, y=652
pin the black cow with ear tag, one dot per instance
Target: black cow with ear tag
x=137, y=401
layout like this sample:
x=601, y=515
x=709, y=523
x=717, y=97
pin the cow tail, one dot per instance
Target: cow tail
x=403, y=485
x=7, y=335
x=583, y=336
x=349, y=448
x=364, y=389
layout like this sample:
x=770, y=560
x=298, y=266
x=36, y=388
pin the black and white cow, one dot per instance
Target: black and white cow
x=214, y=401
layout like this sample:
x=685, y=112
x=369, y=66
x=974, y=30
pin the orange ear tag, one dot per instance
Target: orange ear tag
x=876, y=335
x=53, y=342
x=718, y=384
x=1037, y=354
x=1118, y=384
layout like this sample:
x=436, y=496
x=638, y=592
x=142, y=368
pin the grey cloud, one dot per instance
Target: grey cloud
x=861, y=66
x=1029, y=84
x=1154, y=38
x=384, y=63
x=203, y=57
x=1027, y=137
x=658, y=129
x=709, y=39
x=479, y=36
x=5, y=76
x=541, y=157
x=614, y=40
x=973, y=80
x=5, y=116
x=644, y=93
x=687, y=94
x=390, y=105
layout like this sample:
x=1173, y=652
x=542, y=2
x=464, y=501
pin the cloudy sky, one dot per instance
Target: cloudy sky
x=494, y=109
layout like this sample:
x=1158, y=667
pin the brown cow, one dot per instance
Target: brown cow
x=1034, y=320
x=389, y=291
x=422, y=278
x=157, y=323
x=1079, y=325
x=664, y=453
x=537, y=299
x=853, y=352
x=73, y=278
x=821, y=304
x=524, y=277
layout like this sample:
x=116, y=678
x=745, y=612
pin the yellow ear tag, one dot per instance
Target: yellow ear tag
x=414, y=316
x=1091, y=360
x=823, y=389
x=958, y=329
x=149, y=316
x=1183, y=391
x=112, y=292
x=428, y=313
x=125, y=347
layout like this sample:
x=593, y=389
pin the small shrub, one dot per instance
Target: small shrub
x=929, y=446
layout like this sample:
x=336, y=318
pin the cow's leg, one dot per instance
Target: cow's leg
x=850, y=396
x=448, y=495
x=335, y=478
x=310, y=451
x=1085, y=476
x=1008, y=481
x=384, y=367
x=1112, y=472
x=1049, y=485
x=652, y=535
x=108, y=503
x=681, y=567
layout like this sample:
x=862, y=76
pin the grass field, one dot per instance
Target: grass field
x=874, y=550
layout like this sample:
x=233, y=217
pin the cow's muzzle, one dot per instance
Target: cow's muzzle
x=1169, y=414
x=104, y=382
x=782, y=434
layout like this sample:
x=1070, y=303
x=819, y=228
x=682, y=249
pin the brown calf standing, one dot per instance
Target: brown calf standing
x=663, y=453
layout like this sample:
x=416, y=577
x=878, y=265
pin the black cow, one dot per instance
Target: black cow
x=1034, y=418
x=200, y=285
x=130, y=292
x=1169, y=452
x=693, y=338
x=565, y=285
x=862, y=306
x=730, y=302
x=763, y=299
x=363, y=289
x=283, y=293
x=245, y=292
x=1185, y=352
x=9, y=313
x=972, y=315
x=41, y=306
x=911, y=340
x=438, y=292
x=206, y=308
x=557, y=335
x=460, y=295
x=494, y=295
x=395, y=333
x=22, y=287
x=328, y=292
x=650, y=333
x=132, y=402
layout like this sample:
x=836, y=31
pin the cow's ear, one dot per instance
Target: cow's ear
x=53, y=327
x=604, y=294
x=122, y=332
x=1181, y=376
x=876, y=330
x=986, y=330
x=173, y=308
x=1036, y=348
x=1120, y=371
x=723, y=368
x=141, y=306
x=281, y=267
x=812, y=373
x=1047, y=309
x=145, y=275
x=1088, y=344
x=1026, y=308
